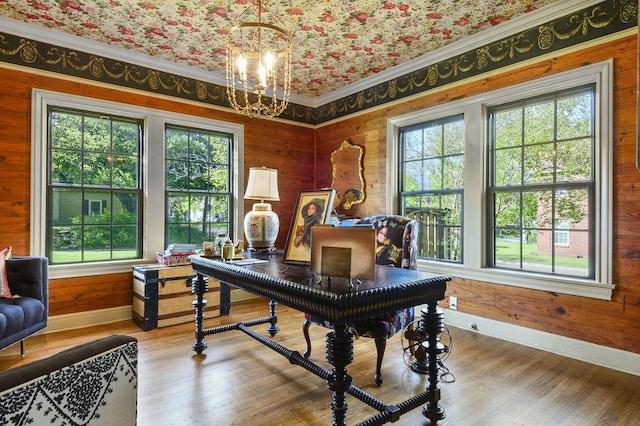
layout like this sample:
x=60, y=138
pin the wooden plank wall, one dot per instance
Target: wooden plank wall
x=615, y=324
x=269, y=143
x=274, y=144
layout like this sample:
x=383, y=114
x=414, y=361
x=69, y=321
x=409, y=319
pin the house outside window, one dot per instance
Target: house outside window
x=561, y=233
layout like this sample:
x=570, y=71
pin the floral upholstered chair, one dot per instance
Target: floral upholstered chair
x=396, y=246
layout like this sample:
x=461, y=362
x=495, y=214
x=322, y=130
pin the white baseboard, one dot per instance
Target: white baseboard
x=88, y=318
x=616, y=359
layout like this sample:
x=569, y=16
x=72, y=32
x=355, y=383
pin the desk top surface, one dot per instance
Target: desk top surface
x=296, y=287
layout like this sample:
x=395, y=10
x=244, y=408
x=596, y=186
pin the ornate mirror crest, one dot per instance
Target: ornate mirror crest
x=347, y=177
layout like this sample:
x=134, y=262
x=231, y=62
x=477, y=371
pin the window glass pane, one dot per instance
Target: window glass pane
x=453, y=172
x=508, y=167
x=432, y=185
x=198, y=165
x=507, y=213
x=413, y=145
x=413, y=176
x=575, y=116
x=574, y=160
x=572, y=206
x=177, y=144
x=508, y=128
x=96, y=134
x=125, y=171
x=542, y=223
x=177, y=174
x=432, y=142
x=125, y=137
x=66, y=167
x=538, y=163
x=539, y=123
x=65, y=130
x=432, y=178
x=83, y=218
x=97, y=170
x=178, y=208
x=198, y=175
x=453, y=138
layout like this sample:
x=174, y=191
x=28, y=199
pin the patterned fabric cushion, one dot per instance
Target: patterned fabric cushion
x=100, y=389
x=5, y=291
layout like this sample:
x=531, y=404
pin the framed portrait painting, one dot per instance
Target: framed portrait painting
x=312, y=208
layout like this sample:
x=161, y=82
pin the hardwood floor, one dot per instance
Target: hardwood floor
x=238, y=381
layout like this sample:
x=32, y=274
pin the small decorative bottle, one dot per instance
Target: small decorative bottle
x=219, y=243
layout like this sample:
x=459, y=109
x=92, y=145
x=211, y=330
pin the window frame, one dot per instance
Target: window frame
x=474, y=245
x=440, y=191
x=153, y=152
x=191, y=192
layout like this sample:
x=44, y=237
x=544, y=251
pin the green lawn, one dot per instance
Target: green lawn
x=510, y=252
x=71, y=256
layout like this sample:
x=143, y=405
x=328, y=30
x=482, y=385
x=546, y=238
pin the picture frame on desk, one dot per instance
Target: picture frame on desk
x=312, y=208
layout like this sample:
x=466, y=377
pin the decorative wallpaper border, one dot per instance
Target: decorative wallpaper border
x=608, y=17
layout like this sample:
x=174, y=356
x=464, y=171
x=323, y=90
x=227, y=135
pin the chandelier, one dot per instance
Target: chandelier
x=258, y=64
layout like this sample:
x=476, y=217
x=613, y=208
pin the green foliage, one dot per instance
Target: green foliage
x=98, y=232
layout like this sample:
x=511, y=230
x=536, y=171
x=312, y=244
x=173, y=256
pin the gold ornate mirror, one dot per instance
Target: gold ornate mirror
x=347, y=174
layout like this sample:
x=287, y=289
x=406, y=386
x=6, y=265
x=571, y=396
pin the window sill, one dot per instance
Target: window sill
x=95, y=268
x=541, y=282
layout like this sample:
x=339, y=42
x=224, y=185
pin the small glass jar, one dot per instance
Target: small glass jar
x=219, y=242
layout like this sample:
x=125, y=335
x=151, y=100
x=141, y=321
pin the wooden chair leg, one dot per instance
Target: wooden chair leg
x=305, y=332
x=381, y=345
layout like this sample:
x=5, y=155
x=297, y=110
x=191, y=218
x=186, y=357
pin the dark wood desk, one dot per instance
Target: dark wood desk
x=294, y=286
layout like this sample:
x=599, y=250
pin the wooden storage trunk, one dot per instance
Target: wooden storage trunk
x=162, y=296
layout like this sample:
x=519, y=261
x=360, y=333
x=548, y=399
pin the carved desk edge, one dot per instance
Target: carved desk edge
x=422, y=287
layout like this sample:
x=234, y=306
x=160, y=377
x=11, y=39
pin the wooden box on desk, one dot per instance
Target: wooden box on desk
x=162, y=296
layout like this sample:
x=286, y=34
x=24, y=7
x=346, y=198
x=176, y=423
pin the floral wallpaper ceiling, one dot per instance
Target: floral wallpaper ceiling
x=336, y=42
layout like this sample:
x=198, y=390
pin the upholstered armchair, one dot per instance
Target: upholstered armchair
x=396, y=246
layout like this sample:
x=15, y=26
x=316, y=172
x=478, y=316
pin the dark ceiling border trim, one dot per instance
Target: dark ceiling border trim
x=603, y=19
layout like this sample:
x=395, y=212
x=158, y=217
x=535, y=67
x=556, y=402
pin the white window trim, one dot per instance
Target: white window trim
x=152, y=171
x=474, y=108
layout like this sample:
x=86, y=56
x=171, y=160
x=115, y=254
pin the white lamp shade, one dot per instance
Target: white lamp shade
x=262, y=184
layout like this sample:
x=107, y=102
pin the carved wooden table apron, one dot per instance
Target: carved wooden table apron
x=292, y=285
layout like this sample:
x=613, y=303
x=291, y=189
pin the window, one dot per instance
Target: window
x=541, y=168
x=561, y=233
x=198, y=175
x=93, y=187
x=535, y=160
x=107, y=178
x=432, y=166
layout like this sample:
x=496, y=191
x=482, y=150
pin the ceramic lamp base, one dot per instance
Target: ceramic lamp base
x=261, y=226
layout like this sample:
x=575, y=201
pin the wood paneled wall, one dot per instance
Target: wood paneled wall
x=286, y=147
x=302, y=156
x=616, y=323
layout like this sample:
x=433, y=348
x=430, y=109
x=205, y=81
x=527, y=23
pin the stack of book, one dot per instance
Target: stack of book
x=176, y=254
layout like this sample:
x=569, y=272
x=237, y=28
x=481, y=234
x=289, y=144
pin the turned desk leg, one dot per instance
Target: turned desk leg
x=433, y=324
x=339, y=354
x=199, y=287
x=273, y=319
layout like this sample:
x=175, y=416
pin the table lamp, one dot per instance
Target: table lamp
x=261, y=224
